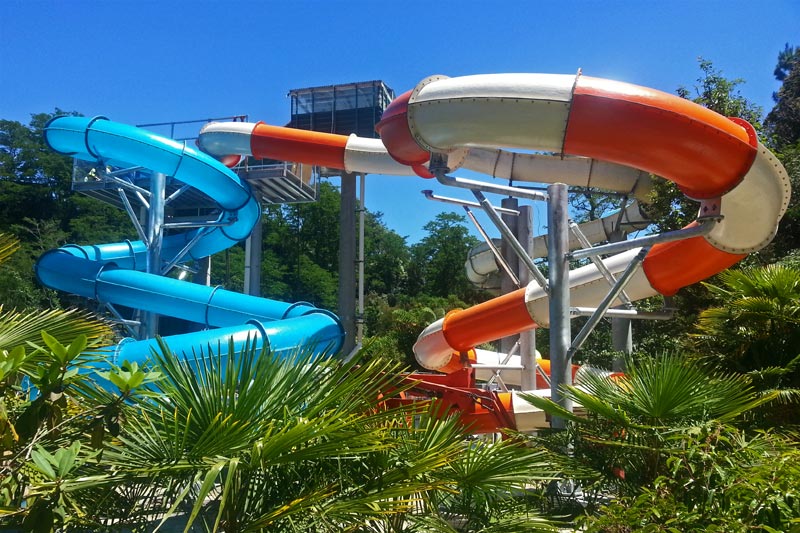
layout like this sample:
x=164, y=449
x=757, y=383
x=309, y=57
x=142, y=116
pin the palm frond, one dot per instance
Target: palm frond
x=550, y=407
x=8, y=245
x=782, y=396
x=25, y=328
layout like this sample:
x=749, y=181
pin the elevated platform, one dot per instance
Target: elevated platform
x=281, y=183
x=272, y=182
x=118, y=186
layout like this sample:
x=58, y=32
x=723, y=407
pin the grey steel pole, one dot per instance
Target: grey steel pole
x=362, y=208
x=621, y=330
x=512, y=260
x=252, y=260
x=155, y=236
x=527, y=339
x=347, y=260
x=558, y=281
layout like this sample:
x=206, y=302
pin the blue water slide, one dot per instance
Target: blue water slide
x=113, y=273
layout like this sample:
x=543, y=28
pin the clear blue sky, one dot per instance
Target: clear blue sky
x=155, y=61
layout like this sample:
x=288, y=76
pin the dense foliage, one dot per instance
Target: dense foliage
x=667, y=448
x=244, y=442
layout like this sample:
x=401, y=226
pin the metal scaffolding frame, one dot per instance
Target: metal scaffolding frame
x=556, y=285
x=147, y=198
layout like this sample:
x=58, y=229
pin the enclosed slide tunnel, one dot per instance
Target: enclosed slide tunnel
x=607, y=134
x=112, y=273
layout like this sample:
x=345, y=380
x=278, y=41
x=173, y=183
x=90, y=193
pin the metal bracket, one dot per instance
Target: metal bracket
x=438, y=167
x=444, y=199
x=710, y=209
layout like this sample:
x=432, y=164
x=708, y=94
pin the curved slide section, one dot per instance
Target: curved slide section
x=370, y=156
x=607, y=134
x=112, y=273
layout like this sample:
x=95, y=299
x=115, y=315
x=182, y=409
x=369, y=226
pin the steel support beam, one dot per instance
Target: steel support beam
x=155, y=236
x=347, y=260
x=527, y=339
x=512, y=259
x=558, y=282
x=252, y=260
x=362, y=208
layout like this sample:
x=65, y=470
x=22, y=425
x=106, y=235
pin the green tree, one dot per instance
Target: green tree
x=41, y=210
x=317, y=226
x=34, y=181
x=277, y=264
x=227, y=268
x=722, y=95
x=438, y=259
x=386, y=257
x=783, y=125
x=392, y=330
x=783, y=121
x=786, y=60
x=301, y=245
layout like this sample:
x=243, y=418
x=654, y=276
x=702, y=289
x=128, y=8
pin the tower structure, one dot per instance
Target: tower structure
x=350, y=108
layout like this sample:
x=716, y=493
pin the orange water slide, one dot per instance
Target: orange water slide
x=606, y=134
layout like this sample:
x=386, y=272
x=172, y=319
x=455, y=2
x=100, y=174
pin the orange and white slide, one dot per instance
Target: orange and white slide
x=605, y=134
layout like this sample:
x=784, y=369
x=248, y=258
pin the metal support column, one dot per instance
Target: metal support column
x=347, y=260
x=621, y=331
x=512, y=260
x=155, y=236
x=362, y=208
x=527, y=339
x=252, y=260
x=558, y=281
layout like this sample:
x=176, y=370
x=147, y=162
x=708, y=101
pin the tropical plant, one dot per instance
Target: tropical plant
x=253, y=442
x=41, y=409
x=45, y=418
x=755, y=327
x=719, y=479
x=487, y=486
x=495, y=487
x=629, y=425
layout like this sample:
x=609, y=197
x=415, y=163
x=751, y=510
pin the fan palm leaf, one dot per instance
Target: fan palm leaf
x=8, y=245
x=252, y=441
x=757, y=323
x=664, y=391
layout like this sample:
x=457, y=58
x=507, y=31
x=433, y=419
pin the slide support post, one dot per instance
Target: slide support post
x=252, y=259
x=155, y=237
x=558, y=283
